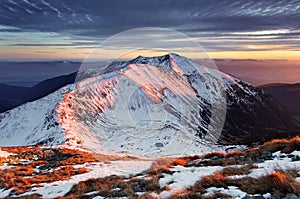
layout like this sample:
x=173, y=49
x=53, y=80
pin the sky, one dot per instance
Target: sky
x=227, y=29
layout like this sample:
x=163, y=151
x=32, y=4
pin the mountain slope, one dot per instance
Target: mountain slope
x=287, y=94
x=148, y=106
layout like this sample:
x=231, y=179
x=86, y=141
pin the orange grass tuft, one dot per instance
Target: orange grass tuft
x=180, y=161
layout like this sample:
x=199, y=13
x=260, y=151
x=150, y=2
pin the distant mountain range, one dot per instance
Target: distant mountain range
x=286, y=94
x=13, y=96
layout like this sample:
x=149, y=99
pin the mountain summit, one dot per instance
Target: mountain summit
x=148, y=106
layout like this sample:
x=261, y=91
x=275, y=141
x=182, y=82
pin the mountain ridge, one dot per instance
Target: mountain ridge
x=251, y=116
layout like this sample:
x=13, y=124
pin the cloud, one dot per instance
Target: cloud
x=56, y=44
x=92, y=17
x=206, y=19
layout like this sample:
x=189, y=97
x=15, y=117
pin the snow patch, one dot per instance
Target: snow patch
x=184, y=177
x=233, y=191
x=96, y=170
x=270, y=166
x=5, y=154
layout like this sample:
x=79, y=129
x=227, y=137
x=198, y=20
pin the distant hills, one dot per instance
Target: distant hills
x=286, y=94
x=13, y=96
x=28, y=74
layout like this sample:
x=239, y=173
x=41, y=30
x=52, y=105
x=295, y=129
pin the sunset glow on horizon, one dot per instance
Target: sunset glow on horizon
x=66, y=30
x=71, y=53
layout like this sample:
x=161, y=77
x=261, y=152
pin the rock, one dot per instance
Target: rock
x=159, y=144
x=248, y=159
x=296, y=158
x=139, y=186
x=14, y=193
x=282, y=156
x=115, y=193
x=275, y=196
x=216, y=158
x=291, y=196
x=260, y=160
x=266, y=155
x=253, y=197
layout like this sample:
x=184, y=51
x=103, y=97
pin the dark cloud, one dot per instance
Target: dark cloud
x=96, y=19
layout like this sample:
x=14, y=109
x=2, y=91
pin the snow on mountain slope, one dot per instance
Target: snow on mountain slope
x=33, y=123
x=148, y=106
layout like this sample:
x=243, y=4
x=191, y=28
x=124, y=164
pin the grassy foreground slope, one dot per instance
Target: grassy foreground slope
x=269, y=170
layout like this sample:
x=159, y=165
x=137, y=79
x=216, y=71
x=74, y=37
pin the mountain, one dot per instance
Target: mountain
x=286, y=94
x=149, y=106
x=13, y=96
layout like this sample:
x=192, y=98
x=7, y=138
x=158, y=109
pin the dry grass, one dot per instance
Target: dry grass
x=23, y=175
x=21, y=178
x=189, y=195
x=106, y=187
x=32, y=172
x=243, y=170
x=32, y=196
x=279, y=182
x=215, y=154
x=283, y=145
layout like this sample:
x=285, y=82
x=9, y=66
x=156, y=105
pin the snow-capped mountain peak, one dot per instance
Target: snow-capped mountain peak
x=148, y=106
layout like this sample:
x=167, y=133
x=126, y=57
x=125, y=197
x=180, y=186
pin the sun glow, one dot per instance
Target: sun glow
x=257, y=54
